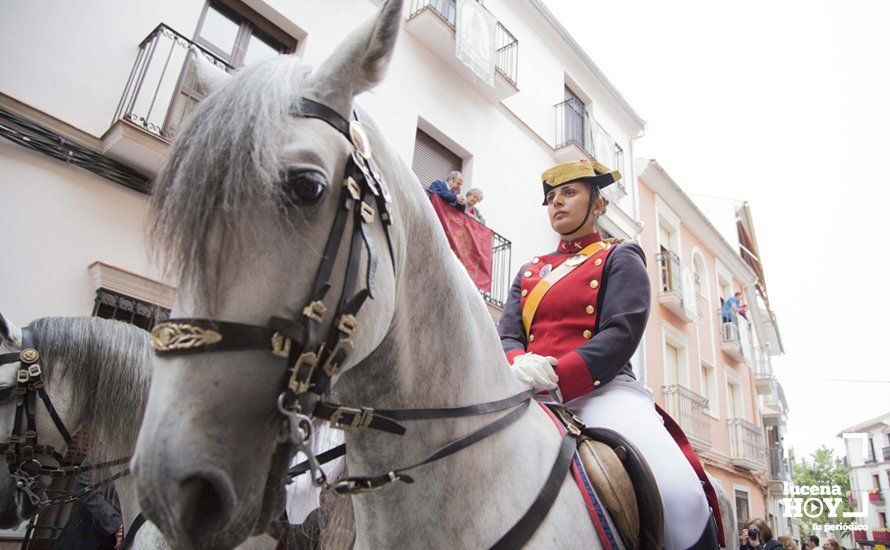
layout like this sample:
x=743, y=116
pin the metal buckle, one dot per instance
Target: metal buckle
x=330, y=367
x=34, y=371
x=367, y=212
x=280, y=345
x=315, y=311
x=354, y=190
x=301, y=386
x=361, y=418
x=347, y=324
x=23, y=376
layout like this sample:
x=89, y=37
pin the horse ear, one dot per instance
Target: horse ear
x=209, y=75
x=359, y=62
x=11, y=334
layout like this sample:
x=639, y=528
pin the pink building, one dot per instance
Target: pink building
x=713, y=373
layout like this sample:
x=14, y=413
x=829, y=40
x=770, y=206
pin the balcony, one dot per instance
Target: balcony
x=161, y=90
x=677, y=292
x=731, y=340
x=688, y=409
x=746, y=444
x=764, y=378
x=433, y=22
x=777, y=472
x=579, y=135
x=875, y=496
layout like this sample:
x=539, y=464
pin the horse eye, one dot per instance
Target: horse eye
x=305, y=186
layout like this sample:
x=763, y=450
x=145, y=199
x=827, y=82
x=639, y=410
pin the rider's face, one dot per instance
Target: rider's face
x=567, y=205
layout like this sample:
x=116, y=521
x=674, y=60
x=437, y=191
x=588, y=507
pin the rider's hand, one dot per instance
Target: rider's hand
x=536, y=371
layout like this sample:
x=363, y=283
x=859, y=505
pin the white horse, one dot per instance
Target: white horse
x=241, y=212
x=97, y=374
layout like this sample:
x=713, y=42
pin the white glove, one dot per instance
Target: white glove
x=536, y=371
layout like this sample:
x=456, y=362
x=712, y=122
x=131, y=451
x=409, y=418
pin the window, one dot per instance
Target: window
x=709, y=388
x=875, y=481
x=734, y=404
x=114, y=305
x=742, y=511
x=575, y=115
x=882, y=520
x=432, y=161
x=238, y=36
x=676, y=366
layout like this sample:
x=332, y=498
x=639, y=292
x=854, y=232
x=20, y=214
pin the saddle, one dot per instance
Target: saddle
x=621, y=479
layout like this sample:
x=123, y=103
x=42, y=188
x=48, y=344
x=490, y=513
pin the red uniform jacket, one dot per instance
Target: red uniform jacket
x=591, y=321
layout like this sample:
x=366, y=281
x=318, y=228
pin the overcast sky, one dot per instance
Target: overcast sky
x=785, y=104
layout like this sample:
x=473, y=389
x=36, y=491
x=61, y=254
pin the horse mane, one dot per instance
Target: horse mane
x=222, y=174
x=109, y=365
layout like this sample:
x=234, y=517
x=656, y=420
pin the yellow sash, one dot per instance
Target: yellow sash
x=545, y=284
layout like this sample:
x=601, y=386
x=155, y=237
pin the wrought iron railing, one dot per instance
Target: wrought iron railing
x=763, y=367
x=506, y=44
x=777, y=464
x=688, y=409
x=162, y=90
x=501, y=249
x=575, y=125
x=671, y=272
x=746, y=440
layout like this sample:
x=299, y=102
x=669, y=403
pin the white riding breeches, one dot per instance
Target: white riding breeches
x=623, y=405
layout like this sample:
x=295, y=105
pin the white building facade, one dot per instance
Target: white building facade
x=868, y=463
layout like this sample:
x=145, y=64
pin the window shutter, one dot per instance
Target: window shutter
x=432, y=160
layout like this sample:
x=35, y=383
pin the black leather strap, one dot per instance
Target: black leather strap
x=138, y=521
x=525, y=528
x=456, y=412
x=57, y=420
x=323, y=458
x=234, y=336
x=361, y=484
x=6, y=358
x=307, y=108
x=349, y=418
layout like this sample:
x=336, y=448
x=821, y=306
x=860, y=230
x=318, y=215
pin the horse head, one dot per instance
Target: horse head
x=243, y=211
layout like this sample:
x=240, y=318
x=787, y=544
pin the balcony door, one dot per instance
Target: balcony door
x=236, y=35
x=575, y=119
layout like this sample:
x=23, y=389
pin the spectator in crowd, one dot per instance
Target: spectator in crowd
x=832, y=544
x=449, y=190
x=474, y=197
x=787, y=542
x=730, y=306
x=812, y=542
x=757, y=535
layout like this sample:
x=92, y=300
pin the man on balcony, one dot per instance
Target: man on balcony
x=730, y=306
x=449, y=190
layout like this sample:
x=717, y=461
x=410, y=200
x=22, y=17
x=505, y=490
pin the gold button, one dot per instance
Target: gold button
x=531, y=338
x=587, y=334
x=596, y=383
x=598, y=261
x=594, y=284
x=590, y=310
x=527, y=274
x=536, y=260
x=524, y=292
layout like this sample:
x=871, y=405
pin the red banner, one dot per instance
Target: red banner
x=469, y=239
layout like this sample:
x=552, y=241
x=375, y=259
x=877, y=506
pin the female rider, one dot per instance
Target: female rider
x=573, y=320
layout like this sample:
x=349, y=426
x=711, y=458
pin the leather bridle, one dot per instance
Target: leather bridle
x=23, y=452
x=314, y=359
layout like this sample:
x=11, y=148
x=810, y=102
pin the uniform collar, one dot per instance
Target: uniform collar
x=576, y=245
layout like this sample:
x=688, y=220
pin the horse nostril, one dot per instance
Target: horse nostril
x=206, y=504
